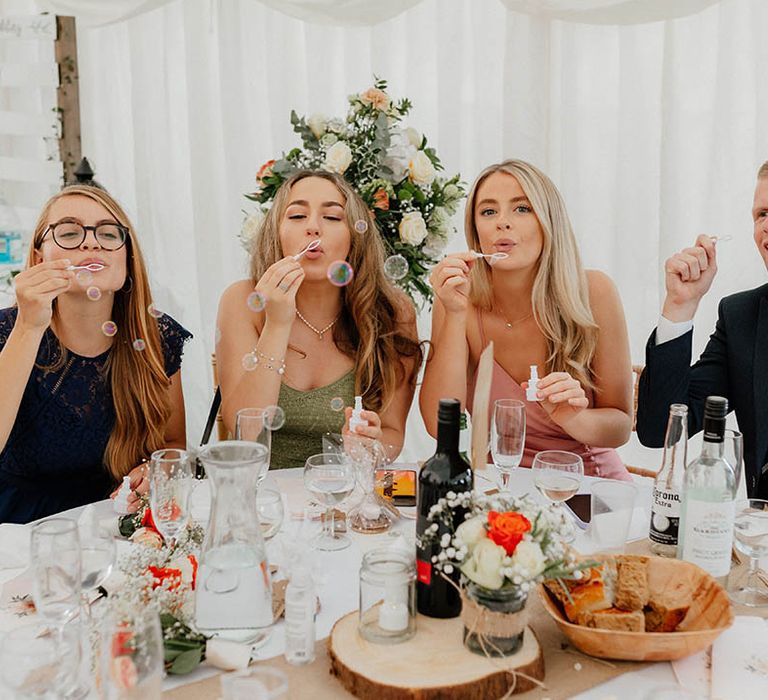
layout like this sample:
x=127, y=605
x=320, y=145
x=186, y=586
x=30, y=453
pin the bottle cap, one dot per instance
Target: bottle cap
x=449, y=410
x=534, y=372
x=716, y=407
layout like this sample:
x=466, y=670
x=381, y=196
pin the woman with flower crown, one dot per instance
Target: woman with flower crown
x=290, y=337
x=90, y=372
x=539, y=307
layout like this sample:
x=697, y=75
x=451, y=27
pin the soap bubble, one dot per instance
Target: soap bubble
x=109, y=328
x=218, y=335
x=395, y=267
x=153, y=312
x=249, y=362
x=139, y=344
x=274, y=418
x=340, y=273
x=93, y=293
x=84, y=277
x=256, y=301
x=361, y=225
x=337, y=403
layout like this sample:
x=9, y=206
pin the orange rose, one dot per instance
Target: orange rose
x=122, y=641
x=381, y=199
x=163, y=573
x=507, y=529
x=264, y=171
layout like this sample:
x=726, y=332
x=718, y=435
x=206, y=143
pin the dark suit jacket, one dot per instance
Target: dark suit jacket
x=734, y=364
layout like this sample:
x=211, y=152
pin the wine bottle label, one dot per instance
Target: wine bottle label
x=709, y=535
x=424, y=571
x=665, y=516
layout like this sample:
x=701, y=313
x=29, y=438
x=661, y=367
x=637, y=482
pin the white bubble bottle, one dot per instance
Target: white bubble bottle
x=533, y=385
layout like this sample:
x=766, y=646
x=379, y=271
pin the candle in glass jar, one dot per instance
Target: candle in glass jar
x=393, y=616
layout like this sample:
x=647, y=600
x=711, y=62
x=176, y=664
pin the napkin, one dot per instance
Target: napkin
x=14, y=546
x=740, y=661
x=694, y=672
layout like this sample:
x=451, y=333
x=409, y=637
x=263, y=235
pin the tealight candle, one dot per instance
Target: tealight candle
x=393, y=617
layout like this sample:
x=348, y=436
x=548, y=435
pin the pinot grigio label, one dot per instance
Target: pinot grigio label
x=665, y=516
x=709, y=535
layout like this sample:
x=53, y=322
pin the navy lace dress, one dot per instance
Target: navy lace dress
x=53, y=459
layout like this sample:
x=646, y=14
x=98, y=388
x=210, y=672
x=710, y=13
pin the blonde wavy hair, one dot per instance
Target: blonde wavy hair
x=138, y=380
x=368, y=330
x=560, y=296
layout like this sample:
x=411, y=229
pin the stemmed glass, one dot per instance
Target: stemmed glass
x=557, y=474
x=366, y=454
x=170, y=484
x=132, y=655
x=252, y=425
x=330, y=478
x=31, y=661
x=269, y=506
x=750, y=534
x=507, y=437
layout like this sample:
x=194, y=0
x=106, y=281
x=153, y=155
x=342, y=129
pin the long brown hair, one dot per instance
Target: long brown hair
x=368, y=330
x=560, y=295
x=138, y=380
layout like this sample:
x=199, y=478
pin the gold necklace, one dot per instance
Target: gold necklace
x=320, y=333
x=511, y=324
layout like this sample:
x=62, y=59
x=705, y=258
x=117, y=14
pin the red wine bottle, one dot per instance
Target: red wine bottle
x=445, y=471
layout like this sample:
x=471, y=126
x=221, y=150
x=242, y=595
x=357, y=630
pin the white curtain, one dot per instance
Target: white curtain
x=653, y=131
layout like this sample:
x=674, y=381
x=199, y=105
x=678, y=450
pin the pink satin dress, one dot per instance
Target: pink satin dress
x=541, y=432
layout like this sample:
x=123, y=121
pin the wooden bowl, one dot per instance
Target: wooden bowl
x=709, y=615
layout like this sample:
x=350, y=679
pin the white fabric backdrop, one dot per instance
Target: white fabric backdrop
x=652, y=131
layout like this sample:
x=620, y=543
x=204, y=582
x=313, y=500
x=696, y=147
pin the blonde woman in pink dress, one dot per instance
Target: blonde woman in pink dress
x=539, y=307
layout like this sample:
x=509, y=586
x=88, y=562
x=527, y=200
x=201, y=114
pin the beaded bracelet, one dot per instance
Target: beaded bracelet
x=270, y=362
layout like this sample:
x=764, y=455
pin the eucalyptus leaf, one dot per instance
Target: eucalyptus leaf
x=186, y=662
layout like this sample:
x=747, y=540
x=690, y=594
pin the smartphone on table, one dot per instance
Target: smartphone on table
x=581, y=507
x=397, y=485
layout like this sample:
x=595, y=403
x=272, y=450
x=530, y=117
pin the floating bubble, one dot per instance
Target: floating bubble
x=256, y=301
x=361, y=225
x=84, y=277
x=218, y=335
x=340, y=273
x=274, y=418
x=139, y=344
x=93, y=293
x=109, y=328
x=395, y=267
x=337, y=403
x=153, y=312
x=249, y=362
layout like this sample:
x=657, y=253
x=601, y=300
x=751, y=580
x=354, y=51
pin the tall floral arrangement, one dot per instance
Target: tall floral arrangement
x=390, y=165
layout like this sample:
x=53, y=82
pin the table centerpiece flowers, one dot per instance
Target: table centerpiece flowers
x=504, y=546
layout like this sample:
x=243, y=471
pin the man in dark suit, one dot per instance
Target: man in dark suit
x=735, y=362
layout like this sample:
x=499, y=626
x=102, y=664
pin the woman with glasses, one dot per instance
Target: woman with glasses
x=89, y=370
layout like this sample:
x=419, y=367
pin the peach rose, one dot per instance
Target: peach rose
x=381, y=199
x=264, y=171
x=378, y=98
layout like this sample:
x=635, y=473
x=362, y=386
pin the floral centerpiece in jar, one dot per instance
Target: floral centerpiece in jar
x=503, y=548
x=392, y=168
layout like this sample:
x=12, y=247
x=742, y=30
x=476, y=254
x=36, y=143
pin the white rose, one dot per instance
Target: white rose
x=398, y=155
x=413, y=228
x=336, y=125
x=328, y=140
x=251, y=227
x=485, y=564
x=421, y=170
x=528, y=556
x=451, y=192
x=338, y=157
x=471, y=531
x=413, y=136
x=433, y=246
x=317, y=124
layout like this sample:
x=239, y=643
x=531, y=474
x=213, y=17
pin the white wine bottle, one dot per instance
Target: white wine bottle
x=709, y=497
x=668, y=486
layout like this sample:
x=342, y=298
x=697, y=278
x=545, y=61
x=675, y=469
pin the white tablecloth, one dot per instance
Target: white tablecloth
x=336, y=573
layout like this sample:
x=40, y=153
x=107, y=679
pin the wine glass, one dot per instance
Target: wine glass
x=750, y=534
x=31, y=661
x=507, y=437
x=330, y=478
x=252, y=425
x=56, y=570
x=170, y=484
x=132, y=655
x=557, y=474
x=269, y=506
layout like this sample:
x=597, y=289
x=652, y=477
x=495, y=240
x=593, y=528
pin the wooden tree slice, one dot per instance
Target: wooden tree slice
x=433, y=664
